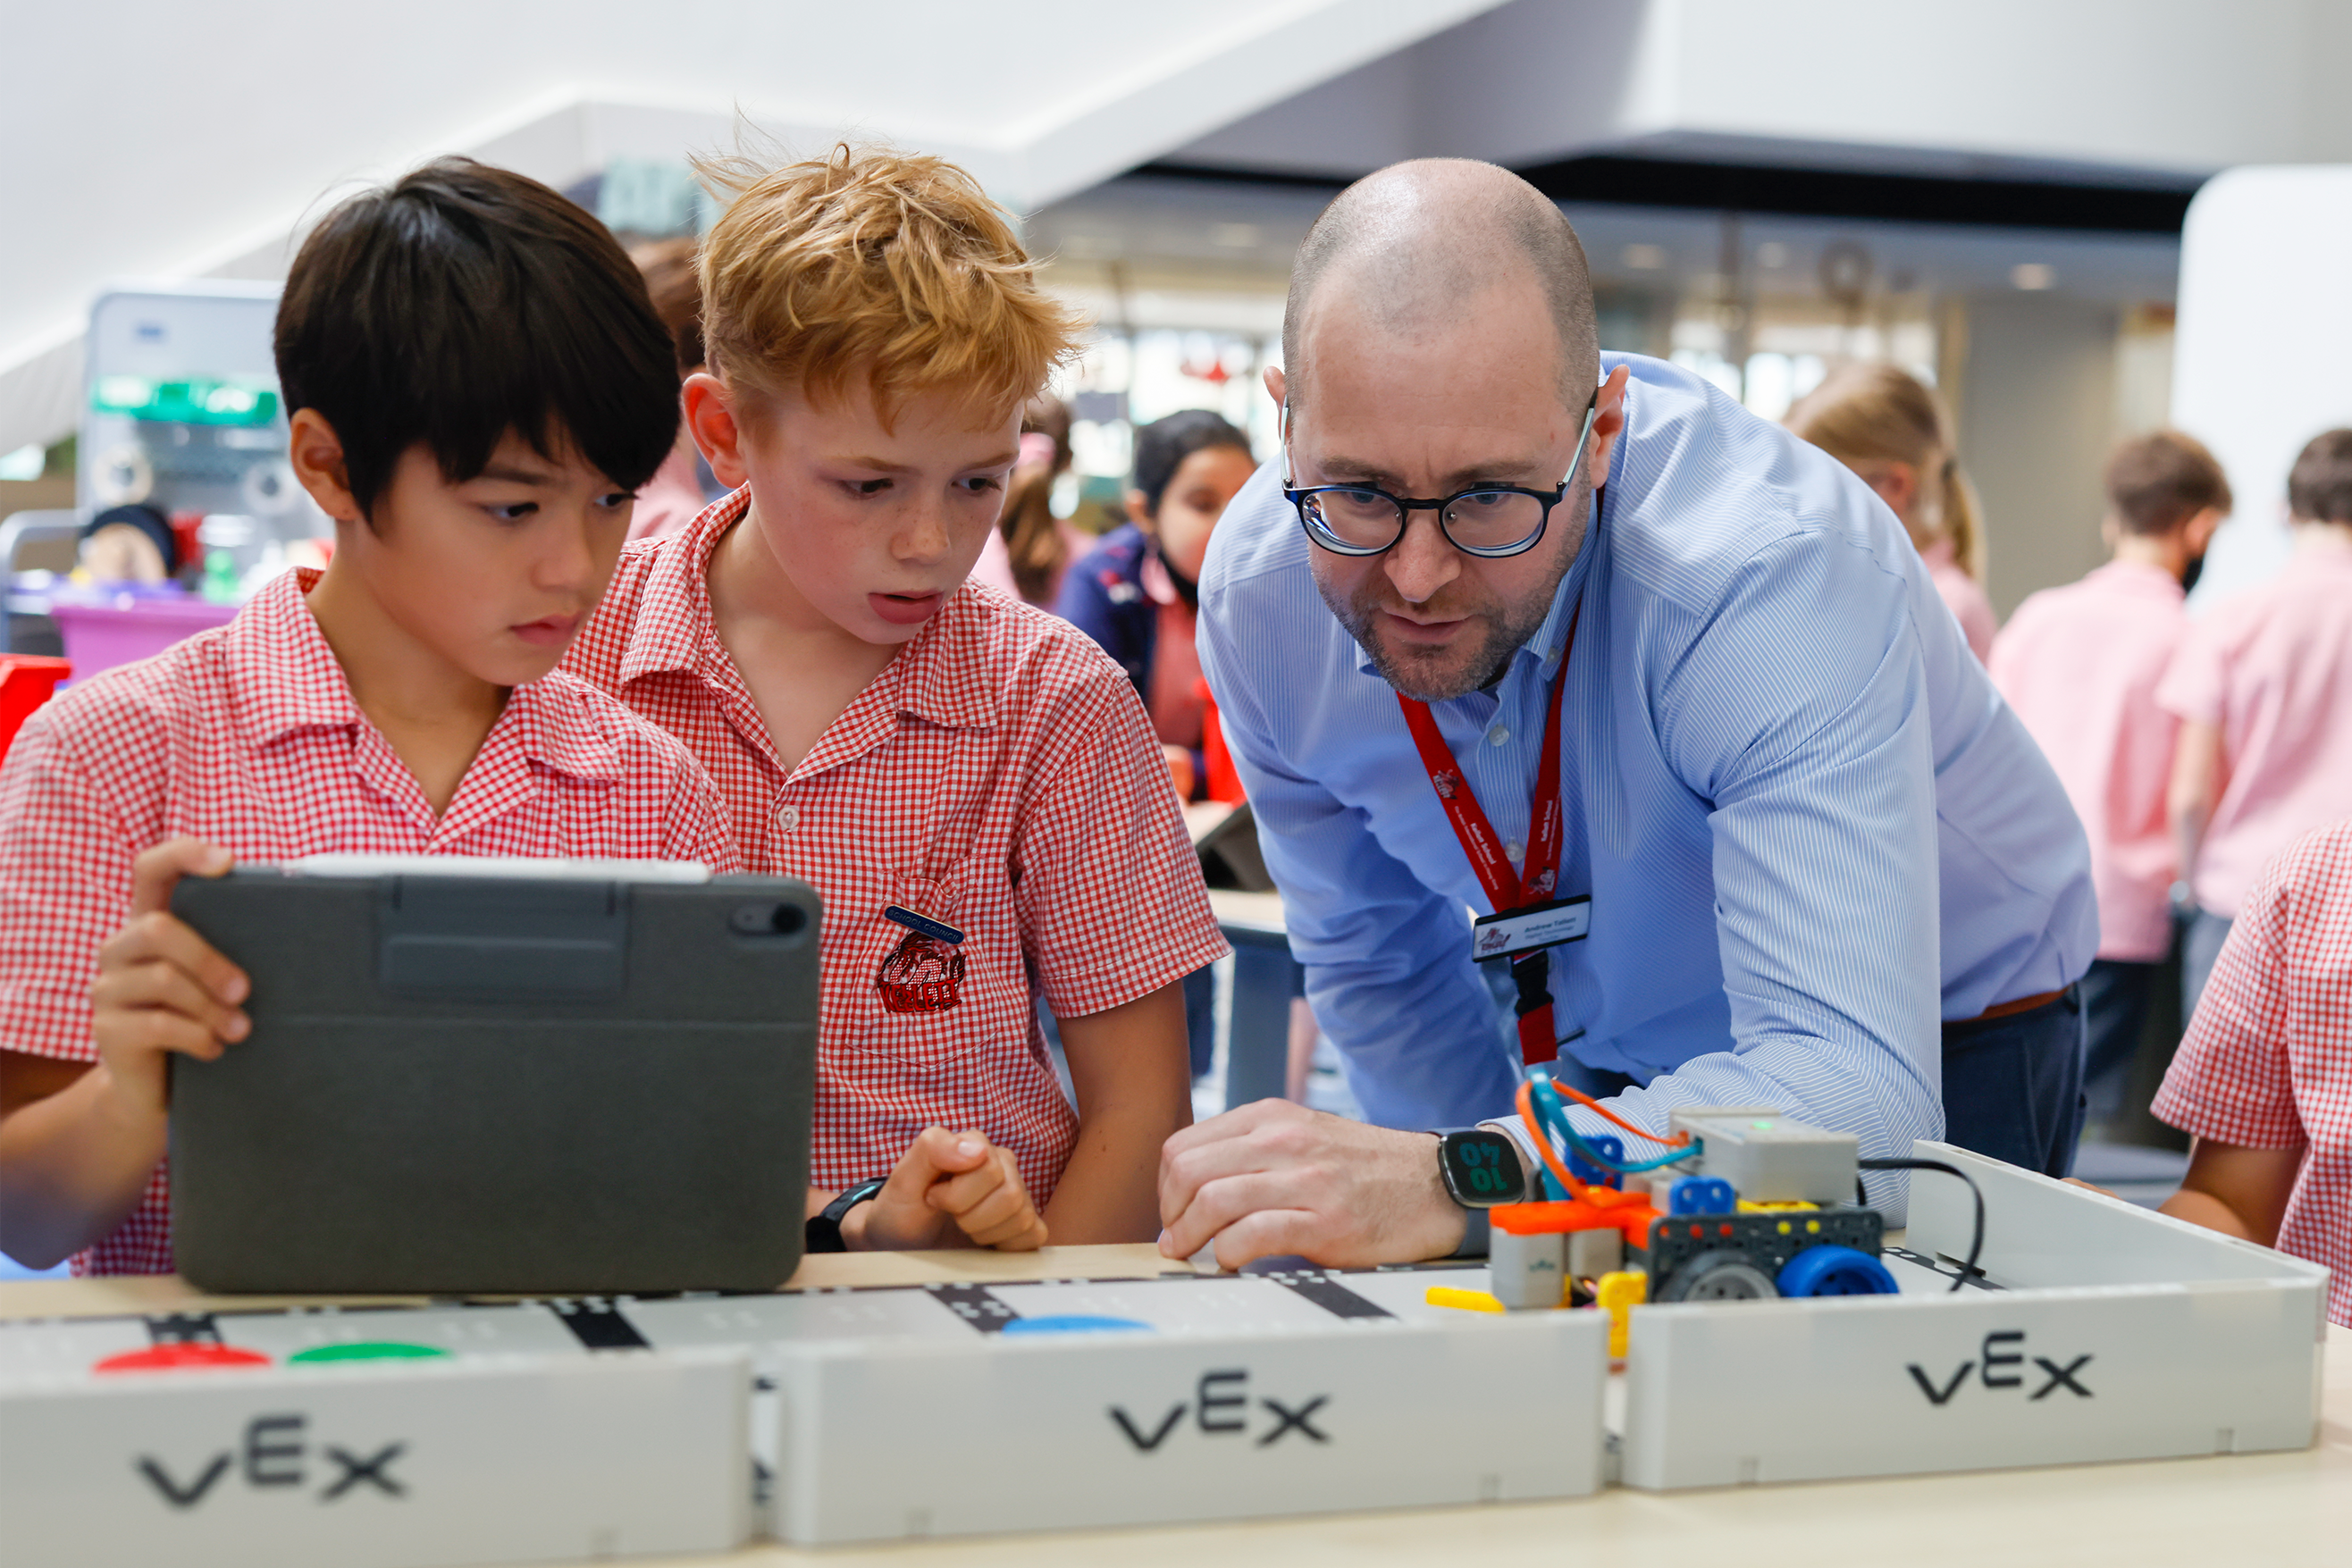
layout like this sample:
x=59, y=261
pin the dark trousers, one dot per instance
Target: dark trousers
x=2014, y=1086
x=2115, y=999
x=1201, y=1019
x=2200, y=944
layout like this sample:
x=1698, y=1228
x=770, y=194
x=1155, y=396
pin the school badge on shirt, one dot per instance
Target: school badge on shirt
x=924, y=973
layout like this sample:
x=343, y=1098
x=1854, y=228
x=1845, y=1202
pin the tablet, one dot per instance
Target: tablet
x=476, y=1076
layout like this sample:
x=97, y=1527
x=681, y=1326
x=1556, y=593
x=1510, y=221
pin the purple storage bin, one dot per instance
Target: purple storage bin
x=104, y=627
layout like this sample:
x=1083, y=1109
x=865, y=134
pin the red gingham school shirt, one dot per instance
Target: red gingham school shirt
x=247, y=734
x=2267, y=1062
x=1000, y=776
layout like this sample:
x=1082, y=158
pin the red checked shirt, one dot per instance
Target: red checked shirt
x=2267, y=1062
x=248, y=736
x=999, y=776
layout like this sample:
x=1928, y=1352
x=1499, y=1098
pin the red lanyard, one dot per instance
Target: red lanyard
x=1508, y=889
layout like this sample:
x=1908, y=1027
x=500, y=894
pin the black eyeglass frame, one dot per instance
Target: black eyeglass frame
x=1323, y=538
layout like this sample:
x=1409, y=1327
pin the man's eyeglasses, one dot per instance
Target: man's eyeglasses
x=1490, y=521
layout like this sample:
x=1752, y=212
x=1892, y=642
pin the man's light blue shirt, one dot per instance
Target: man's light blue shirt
x=1810, y=827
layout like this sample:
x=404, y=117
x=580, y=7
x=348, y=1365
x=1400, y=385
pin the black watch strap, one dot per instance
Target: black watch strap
x=824, y=1230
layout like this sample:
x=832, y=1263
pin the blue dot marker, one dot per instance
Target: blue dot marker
x=1073, y=1322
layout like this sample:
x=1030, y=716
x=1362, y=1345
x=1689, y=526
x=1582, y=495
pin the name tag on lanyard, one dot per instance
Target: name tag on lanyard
x=1516, y=931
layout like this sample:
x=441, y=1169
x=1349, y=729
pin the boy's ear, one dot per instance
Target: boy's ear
x=316, y=452
x=710, y=420
x=2197, y=531
x=1139, y=511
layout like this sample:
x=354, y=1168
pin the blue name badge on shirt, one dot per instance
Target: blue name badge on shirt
x=936, y=930
x=1538, y=926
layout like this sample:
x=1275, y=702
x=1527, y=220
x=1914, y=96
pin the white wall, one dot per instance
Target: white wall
x=2167, y=85
x=157, y=139
x=2263, y=360
x=2036, y=409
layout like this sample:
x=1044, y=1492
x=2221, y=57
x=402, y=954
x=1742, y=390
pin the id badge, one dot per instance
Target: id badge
x=1538, y=926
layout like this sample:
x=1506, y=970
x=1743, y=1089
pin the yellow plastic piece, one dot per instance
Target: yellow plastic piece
x=1813, y=1227
x=1462, y=1301
x=1787, y=1205
x=1618, y=1294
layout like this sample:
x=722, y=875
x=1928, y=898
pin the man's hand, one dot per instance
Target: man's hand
x=949, y=1189
x=160, y=987
x=1274, y=1178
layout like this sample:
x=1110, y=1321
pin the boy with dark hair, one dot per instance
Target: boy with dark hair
x=2080, y=665
x=2262, y=687
x=477, y=384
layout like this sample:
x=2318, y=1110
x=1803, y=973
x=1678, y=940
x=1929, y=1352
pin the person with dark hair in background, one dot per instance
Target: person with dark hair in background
x=2080, y=665
x=1138, y=594
x=1138, y=591
x=2263, y=691
x=1031, y=548
x=684, y=484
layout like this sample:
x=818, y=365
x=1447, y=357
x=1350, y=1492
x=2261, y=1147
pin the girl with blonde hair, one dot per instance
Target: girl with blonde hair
x=1893, y=432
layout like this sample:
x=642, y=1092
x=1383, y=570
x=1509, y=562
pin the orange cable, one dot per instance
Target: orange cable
x=1589, y=1104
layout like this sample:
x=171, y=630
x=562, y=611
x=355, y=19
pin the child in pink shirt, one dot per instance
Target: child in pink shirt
x=2264, y=690
x=2080, y=665
x=1892, y=430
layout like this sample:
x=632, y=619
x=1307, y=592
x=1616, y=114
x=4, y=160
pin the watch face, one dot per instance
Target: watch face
x=1482, y=1168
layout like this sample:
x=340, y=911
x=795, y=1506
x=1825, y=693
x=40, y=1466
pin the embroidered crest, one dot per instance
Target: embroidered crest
x=921, y=975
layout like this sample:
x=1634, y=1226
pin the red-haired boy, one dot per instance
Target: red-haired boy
x=972, y=786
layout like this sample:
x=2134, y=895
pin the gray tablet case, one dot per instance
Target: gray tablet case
x=535, y=1078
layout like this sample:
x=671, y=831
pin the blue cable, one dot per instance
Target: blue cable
x=1552, y=1112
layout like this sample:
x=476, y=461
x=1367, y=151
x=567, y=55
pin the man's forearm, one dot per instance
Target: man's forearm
x=72, y=1166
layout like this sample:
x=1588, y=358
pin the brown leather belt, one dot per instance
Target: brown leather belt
x=2022, y=1005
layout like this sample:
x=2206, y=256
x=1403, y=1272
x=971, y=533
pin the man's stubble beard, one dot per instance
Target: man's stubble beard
x=1442, y=674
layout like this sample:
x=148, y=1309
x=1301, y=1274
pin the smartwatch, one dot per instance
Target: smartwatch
x=823, y=1233
x=1481, y=1167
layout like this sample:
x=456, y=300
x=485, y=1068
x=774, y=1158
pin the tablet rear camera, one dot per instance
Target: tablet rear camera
x=768, y=920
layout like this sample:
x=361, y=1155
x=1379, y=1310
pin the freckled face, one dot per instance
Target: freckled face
x=876, y=526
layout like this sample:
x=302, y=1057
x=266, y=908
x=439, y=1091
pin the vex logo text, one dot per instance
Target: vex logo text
x=274, y=1452
x=1999, y=1352
x=1220, y=1408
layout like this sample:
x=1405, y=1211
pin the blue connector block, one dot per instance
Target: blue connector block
x=1831, y=1271
x=1702, y=1195
x=1584, y=1170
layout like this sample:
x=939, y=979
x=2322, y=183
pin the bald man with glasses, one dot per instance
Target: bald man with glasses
x=1566, y=663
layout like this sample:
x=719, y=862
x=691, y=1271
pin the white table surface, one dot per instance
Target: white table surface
x=2265, y=1510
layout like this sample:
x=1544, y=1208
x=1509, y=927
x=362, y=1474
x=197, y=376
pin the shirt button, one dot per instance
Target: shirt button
x=1514, y=850
x=788, y=817
x=1497, y=736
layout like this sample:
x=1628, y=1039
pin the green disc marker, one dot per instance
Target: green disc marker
x=369, y=1350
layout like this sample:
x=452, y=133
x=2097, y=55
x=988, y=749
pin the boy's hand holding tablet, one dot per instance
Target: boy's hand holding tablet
x=160, y=987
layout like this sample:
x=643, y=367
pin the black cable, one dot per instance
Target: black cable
x=1976, y=1240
